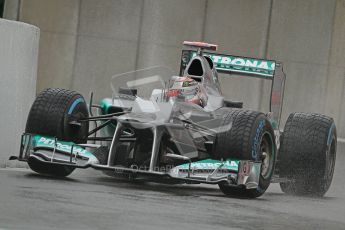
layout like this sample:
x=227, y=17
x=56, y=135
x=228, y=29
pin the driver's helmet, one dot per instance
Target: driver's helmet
x=186, y=89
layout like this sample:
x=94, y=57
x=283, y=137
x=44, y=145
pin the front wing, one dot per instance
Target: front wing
x=49, y=150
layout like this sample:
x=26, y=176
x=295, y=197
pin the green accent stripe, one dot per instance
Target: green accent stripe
x=212, y=164
x=75, y=103
x=235, y=64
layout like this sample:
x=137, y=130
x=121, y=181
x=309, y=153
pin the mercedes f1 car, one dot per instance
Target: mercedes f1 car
x=180, y=129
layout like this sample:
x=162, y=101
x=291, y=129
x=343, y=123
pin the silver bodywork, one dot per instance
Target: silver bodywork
x=149, y=117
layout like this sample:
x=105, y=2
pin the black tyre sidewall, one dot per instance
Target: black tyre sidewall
x=305, y=160
x=250, y=150
x=49, y=116
x=261, y=127
x=265, y=182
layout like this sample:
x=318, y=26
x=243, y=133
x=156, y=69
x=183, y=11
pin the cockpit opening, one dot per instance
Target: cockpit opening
x=195, y=68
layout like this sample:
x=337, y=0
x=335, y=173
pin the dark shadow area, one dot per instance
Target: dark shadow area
x=173, y=189
x=47, y=177
x=2, y=4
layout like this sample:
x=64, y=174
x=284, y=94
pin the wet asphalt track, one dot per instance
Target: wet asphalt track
x=90, y=200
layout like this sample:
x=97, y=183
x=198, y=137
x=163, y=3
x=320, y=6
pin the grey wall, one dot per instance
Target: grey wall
x=85, y=42
x=18, y=71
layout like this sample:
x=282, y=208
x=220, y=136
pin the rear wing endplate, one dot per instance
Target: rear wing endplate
x=251, y=67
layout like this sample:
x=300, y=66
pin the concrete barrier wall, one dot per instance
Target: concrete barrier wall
x=18, y=71
x=85, y=42
x=301, y=37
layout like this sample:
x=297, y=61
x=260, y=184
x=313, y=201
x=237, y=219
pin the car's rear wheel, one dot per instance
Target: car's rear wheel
x=247, y=135
x=50, y=115
x=307, y=154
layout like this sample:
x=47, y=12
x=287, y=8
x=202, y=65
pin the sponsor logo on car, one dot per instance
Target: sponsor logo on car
x=245, y=65
x=60, y=145
x=211, y=164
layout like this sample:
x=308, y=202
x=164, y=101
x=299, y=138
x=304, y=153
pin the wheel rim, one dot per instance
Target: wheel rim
x=267, y=153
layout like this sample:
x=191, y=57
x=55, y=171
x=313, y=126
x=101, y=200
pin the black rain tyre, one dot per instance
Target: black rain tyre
x=50, y=115
x=307, y=154
x=247, y=135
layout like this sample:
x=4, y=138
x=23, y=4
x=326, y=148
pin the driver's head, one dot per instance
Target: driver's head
x=186, y=89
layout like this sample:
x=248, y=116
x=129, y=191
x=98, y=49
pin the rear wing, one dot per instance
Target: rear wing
x=251, y=67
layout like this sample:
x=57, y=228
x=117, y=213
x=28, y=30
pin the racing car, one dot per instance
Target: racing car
x=180, y=129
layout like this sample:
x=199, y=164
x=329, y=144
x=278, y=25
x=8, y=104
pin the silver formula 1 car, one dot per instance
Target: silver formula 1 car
x=180, y=129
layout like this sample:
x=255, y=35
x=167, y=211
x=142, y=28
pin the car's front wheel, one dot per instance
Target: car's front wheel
x=247, y=135
x=50, y=115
